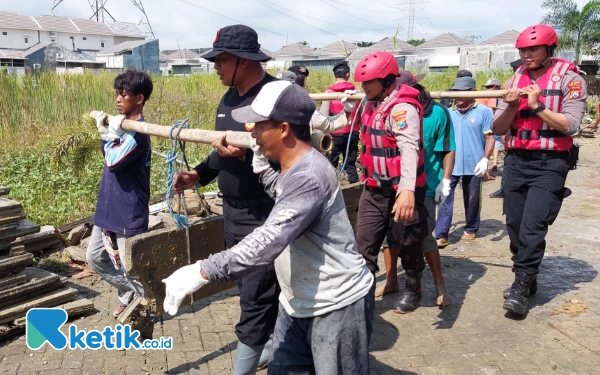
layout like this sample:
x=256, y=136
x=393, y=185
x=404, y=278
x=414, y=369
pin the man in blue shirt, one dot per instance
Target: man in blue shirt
x=474, y=145
x=122, y=208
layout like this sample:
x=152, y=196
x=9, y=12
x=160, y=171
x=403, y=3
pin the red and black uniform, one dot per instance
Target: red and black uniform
x=340, y=137
x=536, y=164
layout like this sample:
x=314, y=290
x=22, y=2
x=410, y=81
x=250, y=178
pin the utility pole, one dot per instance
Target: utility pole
x=411, y=19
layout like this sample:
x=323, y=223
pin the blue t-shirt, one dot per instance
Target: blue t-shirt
x=470, y=130
x=125, y=186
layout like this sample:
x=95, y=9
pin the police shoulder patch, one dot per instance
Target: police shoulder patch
x=400, y=119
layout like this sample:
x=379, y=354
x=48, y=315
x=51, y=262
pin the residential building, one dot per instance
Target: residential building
x=398, y=47
x=75, y=34
x=141, y=54
x=295, y=51
x=442, y=52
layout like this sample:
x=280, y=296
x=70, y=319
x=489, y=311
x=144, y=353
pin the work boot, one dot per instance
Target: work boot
x=412, y=294
x=497, y=194
x=516, y=302
x=532, y=288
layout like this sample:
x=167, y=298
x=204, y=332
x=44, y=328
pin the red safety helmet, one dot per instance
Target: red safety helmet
x=376, y=65
x=537, y=35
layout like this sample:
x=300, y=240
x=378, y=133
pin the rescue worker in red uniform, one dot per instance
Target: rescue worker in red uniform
x=392, y=159
x=345, y=140
x=543, y=107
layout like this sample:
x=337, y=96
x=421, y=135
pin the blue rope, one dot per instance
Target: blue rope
x=350, y=137
x=180, y=220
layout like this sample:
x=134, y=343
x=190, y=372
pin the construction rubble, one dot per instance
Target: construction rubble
x=23, y=286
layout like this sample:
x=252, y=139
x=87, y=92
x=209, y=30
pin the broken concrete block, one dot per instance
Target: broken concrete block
x=155, y=223
x=77, y=234
x=13, y=280
x=34, y=287
x=24, y=228
x=4, y=190
x=77, y=254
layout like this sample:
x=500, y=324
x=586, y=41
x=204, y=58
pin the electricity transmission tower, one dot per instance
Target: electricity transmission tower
x=101, y=14
x=411, y=19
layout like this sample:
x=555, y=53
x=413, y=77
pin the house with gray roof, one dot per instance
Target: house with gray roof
x=75, y=34
x=295, y=51
x=397, y=47
x=443, y=51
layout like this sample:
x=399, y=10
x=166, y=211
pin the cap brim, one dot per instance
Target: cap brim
x=256, y=56
x=419, y=77
x=247, y=115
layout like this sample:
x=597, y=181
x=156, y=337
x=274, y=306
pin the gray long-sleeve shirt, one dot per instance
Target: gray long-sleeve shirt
x=309, y=237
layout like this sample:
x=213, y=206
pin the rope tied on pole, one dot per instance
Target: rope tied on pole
x=180, y=220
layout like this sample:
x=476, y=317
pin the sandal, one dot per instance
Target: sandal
x=468, y=236
x=442, y=242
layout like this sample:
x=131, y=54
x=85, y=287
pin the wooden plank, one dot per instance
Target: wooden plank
x=33, y=288
x=53, y=298
x=15, y=264
x=4, y=190
x=24, y=228
x=13, y=280
x=8, y=205
x=77, y=307
x=12, y=218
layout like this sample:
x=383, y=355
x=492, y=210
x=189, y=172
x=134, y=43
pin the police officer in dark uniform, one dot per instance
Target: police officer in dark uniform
x=543, y=107
x=237, y=57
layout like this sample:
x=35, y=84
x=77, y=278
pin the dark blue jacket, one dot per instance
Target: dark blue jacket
x=125, y=186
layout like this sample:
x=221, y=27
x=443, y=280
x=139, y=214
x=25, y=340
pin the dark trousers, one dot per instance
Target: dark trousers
x=259, y=291
x=340, y=142
x=334, y=343
x=375, y=219
x=471, y=186
x=533, y=193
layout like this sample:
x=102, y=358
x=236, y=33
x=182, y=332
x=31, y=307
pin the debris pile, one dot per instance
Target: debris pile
x=23, y=287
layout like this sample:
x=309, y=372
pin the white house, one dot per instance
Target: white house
x=494, y=53
x=295, y=51
x=75, y=34
x=397, y=47
x=140, y=54
x=443, y=51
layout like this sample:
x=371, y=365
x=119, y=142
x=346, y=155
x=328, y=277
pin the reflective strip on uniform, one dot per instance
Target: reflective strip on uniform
x=553, y=102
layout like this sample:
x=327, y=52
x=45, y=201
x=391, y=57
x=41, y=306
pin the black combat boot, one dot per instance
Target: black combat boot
x=532, y=287
x=516, y=301
x=497, y=194
x=412, y=294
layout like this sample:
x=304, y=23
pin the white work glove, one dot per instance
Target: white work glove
x=114, y=126
x=481, y=167
x=259, y=162
x=349, y=103
x=442, y=191
x=182, y=282
x=102, y=129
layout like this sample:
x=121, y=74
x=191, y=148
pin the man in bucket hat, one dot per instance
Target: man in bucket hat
x=237, y=57
x=326, y=302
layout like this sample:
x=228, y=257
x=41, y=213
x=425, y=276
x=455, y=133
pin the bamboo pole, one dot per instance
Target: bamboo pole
x=434, y=95
x=321, y=141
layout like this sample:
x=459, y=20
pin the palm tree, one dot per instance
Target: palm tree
x=578, y=29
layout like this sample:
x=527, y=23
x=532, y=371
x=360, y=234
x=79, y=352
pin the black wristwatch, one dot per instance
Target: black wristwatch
x=540, y=108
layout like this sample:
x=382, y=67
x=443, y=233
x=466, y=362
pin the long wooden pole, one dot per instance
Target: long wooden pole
x=321, y=141
x=434, y=95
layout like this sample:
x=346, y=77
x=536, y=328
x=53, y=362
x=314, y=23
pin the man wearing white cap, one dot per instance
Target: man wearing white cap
x=326, y=301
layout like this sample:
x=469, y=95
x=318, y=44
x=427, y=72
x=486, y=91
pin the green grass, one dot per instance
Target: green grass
x=38, y=112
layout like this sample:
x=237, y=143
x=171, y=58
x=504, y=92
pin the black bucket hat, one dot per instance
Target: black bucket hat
x=239, y=40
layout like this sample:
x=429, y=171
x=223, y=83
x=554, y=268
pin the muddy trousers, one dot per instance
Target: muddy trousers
x=333, y=343
x=99, y=260
x=471, y=186
x=375, y=219
x=534, y=188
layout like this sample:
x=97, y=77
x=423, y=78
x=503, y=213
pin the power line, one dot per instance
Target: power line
x=363, y=9
x=275, y=9
x=241, y=22
x=322, y=20
x=350, y=14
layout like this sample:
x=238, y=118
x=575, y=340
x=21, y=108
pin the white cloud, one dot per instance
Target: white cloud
x=183, y=21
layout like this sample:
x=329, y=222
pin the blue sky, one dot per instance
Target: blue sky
x=319, y=22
